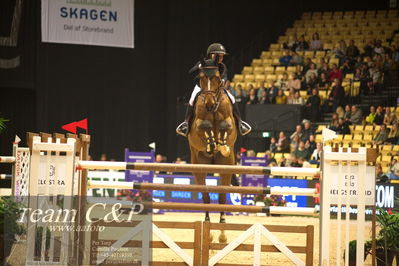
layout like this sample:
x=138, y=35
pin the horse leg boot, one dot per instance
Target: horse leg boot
x=243, y=126
x=184, y=127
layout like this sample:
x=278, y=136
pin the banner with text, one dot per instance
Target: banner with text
x=88, y=22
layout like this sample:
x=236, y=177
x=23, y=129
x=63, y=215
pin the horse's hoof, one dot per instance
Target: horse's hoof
x=225, y=150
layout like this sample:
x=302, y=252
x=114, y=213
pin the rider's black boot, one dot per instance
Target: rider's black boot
x=184, y=127
x=243, y=126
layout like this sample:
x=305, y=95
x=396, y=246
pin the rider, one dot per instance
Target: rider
x=215, y=51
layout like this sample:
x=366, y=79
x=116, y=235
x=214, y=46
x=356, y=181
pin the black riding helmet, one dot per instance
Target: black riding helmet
x=216, y=48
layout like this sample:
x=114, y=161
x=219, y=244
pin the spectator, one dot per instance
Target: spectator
x=290, y=97
x=375, y=74
x=370, y=88
x=302, y=44
x=298, y=99
x=343, y=127
x=294, y=143
x=313, y=106
x=159, y=158
x=283, y=82
x=316, y=155
x=240, y=98
x=378, y=61
x=285, y=60
x=292, y=43
x=381, y=136
x=337, y=94
x=298, y=132
x=324, y=68
x=303, y=163
x=370, y=118
x=379, y=116
x=368, y=49
x=334, y=122
x=307, y=131
x=311, y=83
x=347, y=114
x=352, y=51
x=359, y=62
x=301, y=151
x=335, y=73
x=310, y=71
x=272, y=91
x=283, y=145
x=340, y=112
x=103, y=157
x=394, y=171
x=296, y=58
x=252, y=99
x=393, y=135
x=264, y=98
x=340, y=50
x=389, y=117
x=323, y=83
x=379, y=174
x=356, y=115
x=294, y=83
x=293, y=161
x=260, y=90
x=346, y=68
x=311, y=144
x=281, y=98
x=378, y=49
x=316, y=43
x=273, y=146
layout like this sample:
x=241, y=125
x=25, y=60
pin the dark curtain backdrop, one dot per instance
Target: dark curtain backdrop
x=130, y=95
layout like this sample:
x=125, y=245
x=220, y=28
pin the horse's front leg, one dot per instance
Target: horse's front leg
x=224, y=129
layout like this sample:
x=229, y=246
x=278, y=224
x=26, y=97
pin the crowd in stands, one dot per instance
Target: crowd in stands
x=367, y=67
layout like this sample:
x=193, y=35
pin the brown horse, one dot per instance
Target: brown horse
x=213, y=131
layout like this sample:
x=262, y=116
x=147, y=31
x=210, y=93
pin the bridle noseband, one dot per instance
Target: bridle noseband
x=209, y=73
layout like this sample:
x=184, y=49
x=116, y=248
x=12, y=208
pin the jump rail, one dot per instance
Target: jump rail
x=5, y=176
x=199, y=168
x=203, y=188
x=230, y=208
x=7, y=159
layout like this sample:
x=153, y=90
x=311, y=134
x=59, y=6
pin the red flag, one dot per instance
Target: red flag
x=71, y=127
x=390, y=211
x=83, y=124
x=242, y=150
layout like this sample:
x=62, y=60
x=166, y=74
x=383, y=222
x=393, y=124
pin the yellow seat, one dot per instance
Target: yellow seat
x=368, y=128
x=249, y=77
x=386, y=148
x=256, y=62
x=291, y=69
x=276, y=62
x=386, y=158
x=269, y=70
x=333, y=61
x=260, y=154
x=358, y=137
x=348, y=137
x=367, y=138
x=359, y=129
x=266, y=54
x=275, y=47
x=247, y=70
x=395, y=148
x=271, y=77
x=259, y=70
x=267, y=61
x=280, y=70
x=355, y=88
x=238, y=77
x=260, y=78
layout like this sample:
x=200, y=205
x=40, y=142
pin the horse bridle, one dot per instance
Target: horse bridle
x=214, y=94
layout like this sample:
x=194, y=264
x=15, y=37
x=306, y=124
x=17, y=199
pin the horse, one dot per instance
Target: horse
x=213, y=131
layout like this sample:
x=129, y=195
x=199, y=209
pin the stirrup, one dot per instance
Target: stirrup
x=244, y=128
x=182, y=129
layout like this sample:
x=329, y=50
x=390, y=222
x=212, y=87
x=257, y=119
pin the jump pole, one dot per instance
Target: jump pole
x=199, y=168
x=203, y=188
x=7, y=159
x=230, y=208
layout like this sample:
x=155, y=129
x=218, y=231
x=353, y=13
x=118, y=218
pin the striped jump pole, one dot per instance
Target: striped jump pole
x=203, y=188
x=7, y=159
x=230, y=208
x=5, y=176
x=199, y=168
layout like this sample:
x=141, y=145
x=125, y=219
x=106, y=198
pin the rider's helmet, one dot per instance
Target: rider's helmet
x=216, y=48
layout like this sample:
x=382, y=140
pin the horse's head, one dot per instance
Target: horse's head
x=210, y=83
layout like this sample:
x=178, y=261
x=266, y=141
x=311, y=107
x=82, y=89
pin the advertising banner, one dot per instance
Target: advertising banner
x=139, y=175
x=88, y=22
